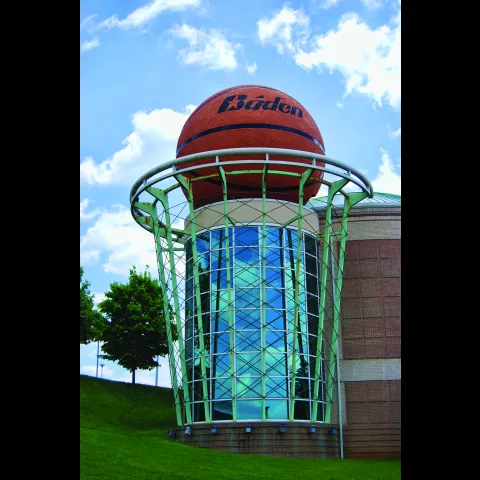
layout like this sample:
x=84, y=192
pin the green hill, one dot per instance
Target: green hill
x=123, y=435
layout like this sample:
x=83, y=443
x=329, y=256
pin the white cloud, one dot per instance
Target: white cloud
x=278, y=30
x=89, y=44
x=98, y=297
x=148, y=12
x=208, y=48
x=117, y=235
x=152, y=142
x=339, y=104
x=87, y=21
x=395, y=133
x=387, y=180
x=92, y=370
x=372, y=4
x=251, y=69
x=83, y=210
x=369, y=59
x=329, y=4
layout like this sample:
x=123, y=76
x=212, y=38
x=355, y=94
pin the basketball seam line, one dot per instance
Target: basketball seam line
x=236, y=126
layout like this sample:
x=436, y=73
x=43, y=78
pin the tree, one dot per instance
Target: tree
x=135, y=331
x=91, y=320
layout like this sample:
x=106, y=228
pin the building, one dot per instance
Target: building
x=266, y=334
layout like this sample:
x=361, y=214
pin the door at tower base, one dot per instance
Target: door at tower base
x=254, y=303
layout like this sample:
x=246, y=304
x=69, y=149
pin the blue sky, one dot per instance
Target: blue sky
x=145, y=65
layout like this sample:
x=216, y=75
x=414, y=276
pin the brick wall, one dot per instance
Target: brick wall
x=371, y=302
x=371, y=312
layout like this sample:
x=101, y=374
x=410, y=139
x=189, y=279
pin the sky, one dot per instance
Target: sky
x=145, y=66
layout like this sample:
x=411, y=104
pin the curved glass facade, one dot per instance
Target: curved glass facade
x=235, y=379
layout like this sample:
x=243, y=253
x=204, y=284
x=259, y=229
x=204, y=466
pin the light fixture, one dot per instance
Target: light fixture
x=188, y=430
x=171, y=433
x=283, y=428
x=332, y=430
x=311, y=429
x=248, y=429
x=214, y=429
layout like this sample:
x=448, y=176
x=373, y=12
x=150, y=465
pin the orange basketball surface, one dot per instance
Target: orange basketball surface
x=250, y=116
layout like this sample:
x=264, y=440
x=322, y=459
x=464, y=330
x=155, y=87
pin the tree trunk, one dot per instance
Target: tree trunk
x=133, y=377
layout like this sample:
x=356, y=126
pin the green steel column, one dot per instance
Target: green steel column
x=229, y=292
x=264, y=290
x=305, y=176
x=188, y=187
x=163, y=198
x=349, y=202
x=151, y=210
x=333, y=189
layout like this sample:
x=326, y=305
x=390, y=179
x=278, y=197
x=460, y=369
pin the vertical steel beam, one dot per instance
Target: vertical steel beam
x=348, y=203
x=305, y=176
x=201, y=340
x=333, y=189
x=151, y=210
x=229, y=292
x=264, y=291
x=163, y=198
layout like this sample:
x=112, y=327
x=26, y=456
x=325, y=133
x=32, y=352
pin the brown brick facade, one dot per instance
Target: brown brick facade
x=371, y=329
x=371, y=301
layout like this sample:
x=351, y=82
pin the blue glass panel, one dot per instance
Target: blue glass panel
x=218, y=238
x=204, y=262
x=247, y=298
x=249, y=410
x=276, y=387
x=248, y=364
x=219, y=259
x=291, y=237
x=222, y=410
x=247, y=256
x=276, y=409
x=247, y=319
x=275, y=298
x=220, y=300
x=276, y=340
x=273, y=257
x=219, y=321
x=274, y=277
x=249, y=387
x=221, y=366
x=274, y=237
x=203, y=243
x=247, y=341
x=247, y=277
x=219, y=279
x=220, y=343
x=276, y=319
x=222, y=388
x=276, y=364
x=246, y=236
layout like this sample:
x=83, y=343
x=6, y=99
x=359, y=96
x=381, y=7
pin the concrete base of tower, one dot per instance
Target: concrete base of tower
x=289, y=439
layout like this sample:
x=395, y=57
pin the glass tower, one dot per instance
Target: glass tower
x=263, y=293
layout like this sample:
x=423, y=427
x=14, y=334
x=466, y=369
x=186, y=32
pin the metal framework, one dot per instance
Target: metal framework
x=256, y=301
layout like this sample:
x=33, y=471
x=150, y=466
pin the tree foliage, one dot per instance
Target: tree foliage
x=91, y=320
x=135, y=333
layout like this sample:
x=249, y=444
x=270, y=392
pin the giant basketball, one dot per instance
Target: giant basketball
x=250, y=116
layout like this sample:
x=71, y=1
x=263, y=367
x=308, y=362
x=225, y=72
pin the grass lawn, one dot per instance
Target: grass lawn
x=123, y=435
